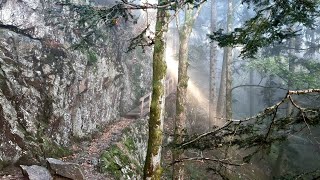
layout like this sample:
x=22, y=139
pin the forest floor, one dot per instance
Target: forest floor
x=86, y=153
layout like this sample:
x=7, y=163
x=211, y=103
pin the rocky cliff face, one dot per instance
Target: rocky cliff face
x=51, y=93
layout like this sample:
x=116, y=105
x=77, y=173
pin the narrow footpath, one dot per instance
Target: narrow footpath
x=86, y=153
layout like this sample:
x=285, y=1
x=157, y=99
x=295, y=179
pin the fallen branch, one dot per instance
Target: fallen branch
x=269, y=110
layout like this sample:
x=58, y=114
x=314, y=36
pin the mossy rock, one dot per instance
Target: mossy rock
x=3, y=164
x=125, y=158
x=51, y=149
x=117, y=162
x=92, y=58
x=129, y=143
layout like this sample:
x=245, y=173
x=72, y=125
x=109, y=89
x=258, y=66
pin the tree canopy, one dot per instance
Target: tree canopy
x=274, y=21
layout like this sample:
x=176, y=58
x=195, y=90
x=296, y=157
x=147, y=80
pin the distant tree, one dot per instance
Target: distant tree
x=224, y=104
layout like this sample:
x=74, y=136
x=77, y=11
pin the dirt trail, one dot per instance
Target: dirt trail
x=86, y=153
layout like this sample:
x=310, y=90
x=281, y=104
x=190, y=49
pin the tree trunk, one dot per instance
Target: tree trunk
x=221, y=111
x=229, y=64
x=152, y=167
x=180, y=121
x=251, y=96
x=213, y=62
x=224, y=104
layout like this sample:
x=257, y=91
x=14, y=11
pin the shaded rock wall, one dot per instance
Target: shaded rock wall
x=49, y=92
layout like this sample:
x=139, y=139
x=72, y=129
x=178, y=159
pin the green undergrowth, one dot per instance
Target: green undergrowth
x=123, y=159
x=51, y=149
x=118, y=162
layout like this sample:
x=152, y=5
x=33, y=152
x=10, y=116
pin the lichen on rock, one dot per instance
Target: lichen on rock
x=50, y=92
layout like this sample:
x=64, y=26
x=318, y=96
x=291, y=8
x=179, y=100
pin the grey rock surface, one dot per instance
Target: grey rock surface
x=65, y=169
x=52, y=93
x=35, y=172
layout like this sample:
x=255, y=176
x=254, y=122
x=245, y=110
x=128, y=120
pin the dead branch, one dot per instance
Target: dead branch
x=260, y=86
x=267, y=111
x=205, y=134
x=221, y=161
x=306, y=91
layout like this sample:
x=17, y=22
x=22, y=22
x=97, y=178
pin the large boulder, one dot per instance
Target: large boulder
x=65, y=169
x=35, y=172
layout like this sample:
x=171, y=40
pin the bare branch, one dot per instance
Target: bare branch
x=221, y=161
x=205, y=134
x=304, y=115
x=269, y=110
x=306, y=91
x=253, y=85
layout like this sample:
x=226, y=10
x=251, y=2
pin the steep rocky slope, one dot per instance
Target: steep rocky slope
x=51, y=92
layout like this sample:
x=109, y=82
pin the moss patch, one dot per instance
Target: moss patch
x=119, y=163
x=51, y=149
x=3, y=164
x=129, y=143
x=92, y=58
x=125, y=158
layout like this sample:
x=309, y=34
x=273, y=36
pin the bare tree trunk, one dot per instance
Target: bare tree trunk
x=229, y=64
x=152, y=167
x=224, y=104
x=213, y=62
x=221, y=110
x=180, y=121
x=251, y=98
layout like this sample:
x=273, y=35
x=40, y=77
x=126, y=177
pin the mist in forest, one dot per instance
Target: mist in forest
x=148, y=89
x=257, y=83
x=245, y=88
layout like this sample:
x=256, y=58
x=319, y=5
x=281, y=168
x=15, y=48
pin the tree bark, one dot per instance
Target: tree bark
x=152, y=167
x=213, y=62
x=221, y=110
x=229, y=64
x=180, y=121
x=251, y=96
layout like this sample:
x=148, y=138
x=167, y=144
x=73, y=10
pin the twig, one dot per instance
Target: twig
x=304, y=115
x=205, y=134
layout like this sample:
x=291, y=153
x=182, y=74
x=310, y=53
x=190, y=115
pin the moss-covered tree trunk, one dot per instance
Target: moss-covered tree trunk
x=180, y=121
x=152, y=167
x=229, y=64
x=213, y=60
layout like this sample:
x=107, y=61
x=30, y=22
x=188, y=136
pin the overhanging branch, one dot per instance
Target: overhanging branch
x=272, y=110
x=222, y=161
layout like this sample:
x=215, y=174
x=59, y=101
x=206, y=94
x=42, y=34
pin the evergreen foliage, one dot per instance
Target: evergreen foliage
x=274, y=22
